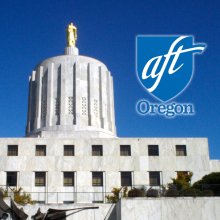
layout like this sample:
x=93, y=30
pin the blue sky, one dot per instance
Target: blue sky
x=32, y=31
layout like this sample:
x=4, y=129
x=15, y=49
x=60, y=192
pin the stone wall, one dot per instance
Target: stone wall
x=215, y=165
x=186, y=208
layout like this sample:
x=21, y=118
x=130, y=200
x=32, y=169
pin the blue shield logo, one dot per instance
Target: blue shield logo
x=164, y=64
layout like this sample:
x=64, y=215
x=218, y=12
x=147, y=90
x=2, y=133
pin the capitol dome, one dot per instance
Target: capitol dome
x=71, y=96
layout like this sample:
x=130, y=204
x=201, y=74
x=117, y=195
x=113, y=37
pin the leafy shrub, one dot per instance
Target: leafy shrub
x=153, y=192
x=4, y=192
x=191, y=192
x=207, y=192
x=209, y=182
x=135, y=192
x=116, y=192
x=20, y=197
x=182, y=181
x=124, y=191
x=115, y=197
x=171, y=191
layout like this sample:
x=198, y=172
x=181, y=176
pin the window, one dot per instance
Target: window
x=68, y=178
x=97, y=178
x=97, y=150
x=69, y=150
x=153, y=150
x=126, y=179
x=40, y=178
x=154, y=178
x=40, y=150
x=180, y=150
x=125, y=150
x=11, y=179
x=12, y=150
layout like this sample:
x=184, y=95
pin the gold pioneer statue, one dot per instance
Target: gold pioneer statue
x=71, y=35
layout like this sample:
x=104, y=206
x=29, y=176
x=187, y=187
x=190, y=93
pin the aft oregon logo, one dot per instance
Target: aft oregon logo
x=165, y=67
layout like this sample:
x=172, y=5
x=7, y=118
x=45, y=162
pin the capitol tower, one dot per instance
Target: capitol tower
x=71, y=96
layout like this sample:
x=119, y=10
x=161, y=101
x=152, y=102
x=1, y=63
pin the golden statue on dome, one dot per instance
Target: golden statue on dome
x=71, y=35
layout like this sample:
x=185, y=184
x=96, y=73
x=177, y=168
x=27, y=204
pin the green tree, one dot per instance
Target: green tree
x=183, y=180
x=116, y=194
x=180, y=184
x=209, y=182
x=20, y=197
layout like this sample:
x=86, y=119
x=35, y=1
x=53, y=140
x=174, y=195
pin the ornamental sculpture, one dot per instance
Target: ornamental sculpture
x=71, y=34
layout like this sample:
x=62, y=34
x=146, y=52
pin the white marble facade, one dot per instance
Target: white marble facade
x=111, y=164
x=199, y=208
